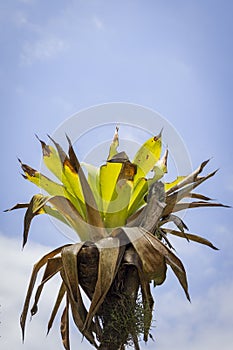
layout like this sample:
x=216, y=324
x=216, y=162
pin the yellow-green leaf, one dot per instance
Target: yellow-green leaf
x=169, y=185
x=109, y=174
x=50, y=186
x=117, y=210
x=94, y=181
x=51, y=159
x=93, y=215
x=147, y=156
x=138, y=194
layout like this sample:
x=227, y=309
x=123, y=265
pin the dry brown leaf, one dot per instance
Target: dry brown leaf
x=59, y=299
x=108, y=259
x=153, y=261
x=53, y=266
x=34, y=274
x=64, y=327
x=191, y=237
x=70, y=277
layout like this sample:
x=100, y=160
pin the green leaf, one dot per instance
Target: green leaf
x=93, y=178
x=71, y=181
x=51, y=159
x=93, y=216
x=117, y=211
x=50, y=186
x=140, y=189
x=109, y=174
x=147, y=156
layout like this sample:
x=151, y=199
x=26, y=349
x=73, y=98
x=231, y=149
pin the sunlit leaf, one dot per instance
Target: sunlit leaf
x=147, y=156
x=109, y=174
x=50, y=186
x=172, y=184
x=117, y=210
x=51, y=159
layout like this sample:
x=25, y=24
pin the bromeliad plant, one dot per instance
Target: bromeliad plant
x=119, y=215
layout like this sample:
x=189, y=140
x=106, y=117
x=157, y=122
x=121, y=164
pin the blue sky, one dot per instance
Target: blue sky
x=174, y=57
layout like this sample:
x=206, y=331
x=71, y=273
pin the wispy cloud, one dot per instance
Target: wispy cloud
x=98, y=22
x=42, y=49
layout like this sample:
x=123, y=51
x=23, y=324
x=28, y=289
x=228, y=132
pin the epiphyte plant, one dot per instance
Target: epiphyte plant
x=119, y=212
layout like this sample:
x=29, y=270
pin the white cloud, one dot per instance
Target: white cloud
x=15, y=270
x=203, y=324
x=42, y=49
x=206, y=323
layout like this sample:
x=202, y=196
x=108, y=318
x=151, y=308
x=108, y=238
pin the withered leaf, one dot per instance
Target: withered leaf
x=65, y=326
x=108, y=259
x=58, y=301
x=70, y=277
x=53, y=266
x=191, y=237
x=33, y=278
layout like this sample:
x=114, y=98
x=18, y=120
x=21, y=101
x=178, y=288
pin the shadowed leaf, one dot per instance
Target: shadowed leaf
x=93, y=215
x=70, y=278
x=182, y=206
x=65, y=326
x=59, y=298
x=36, y=204
x=53, y=266
x=153, y=262
x=108, y=259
